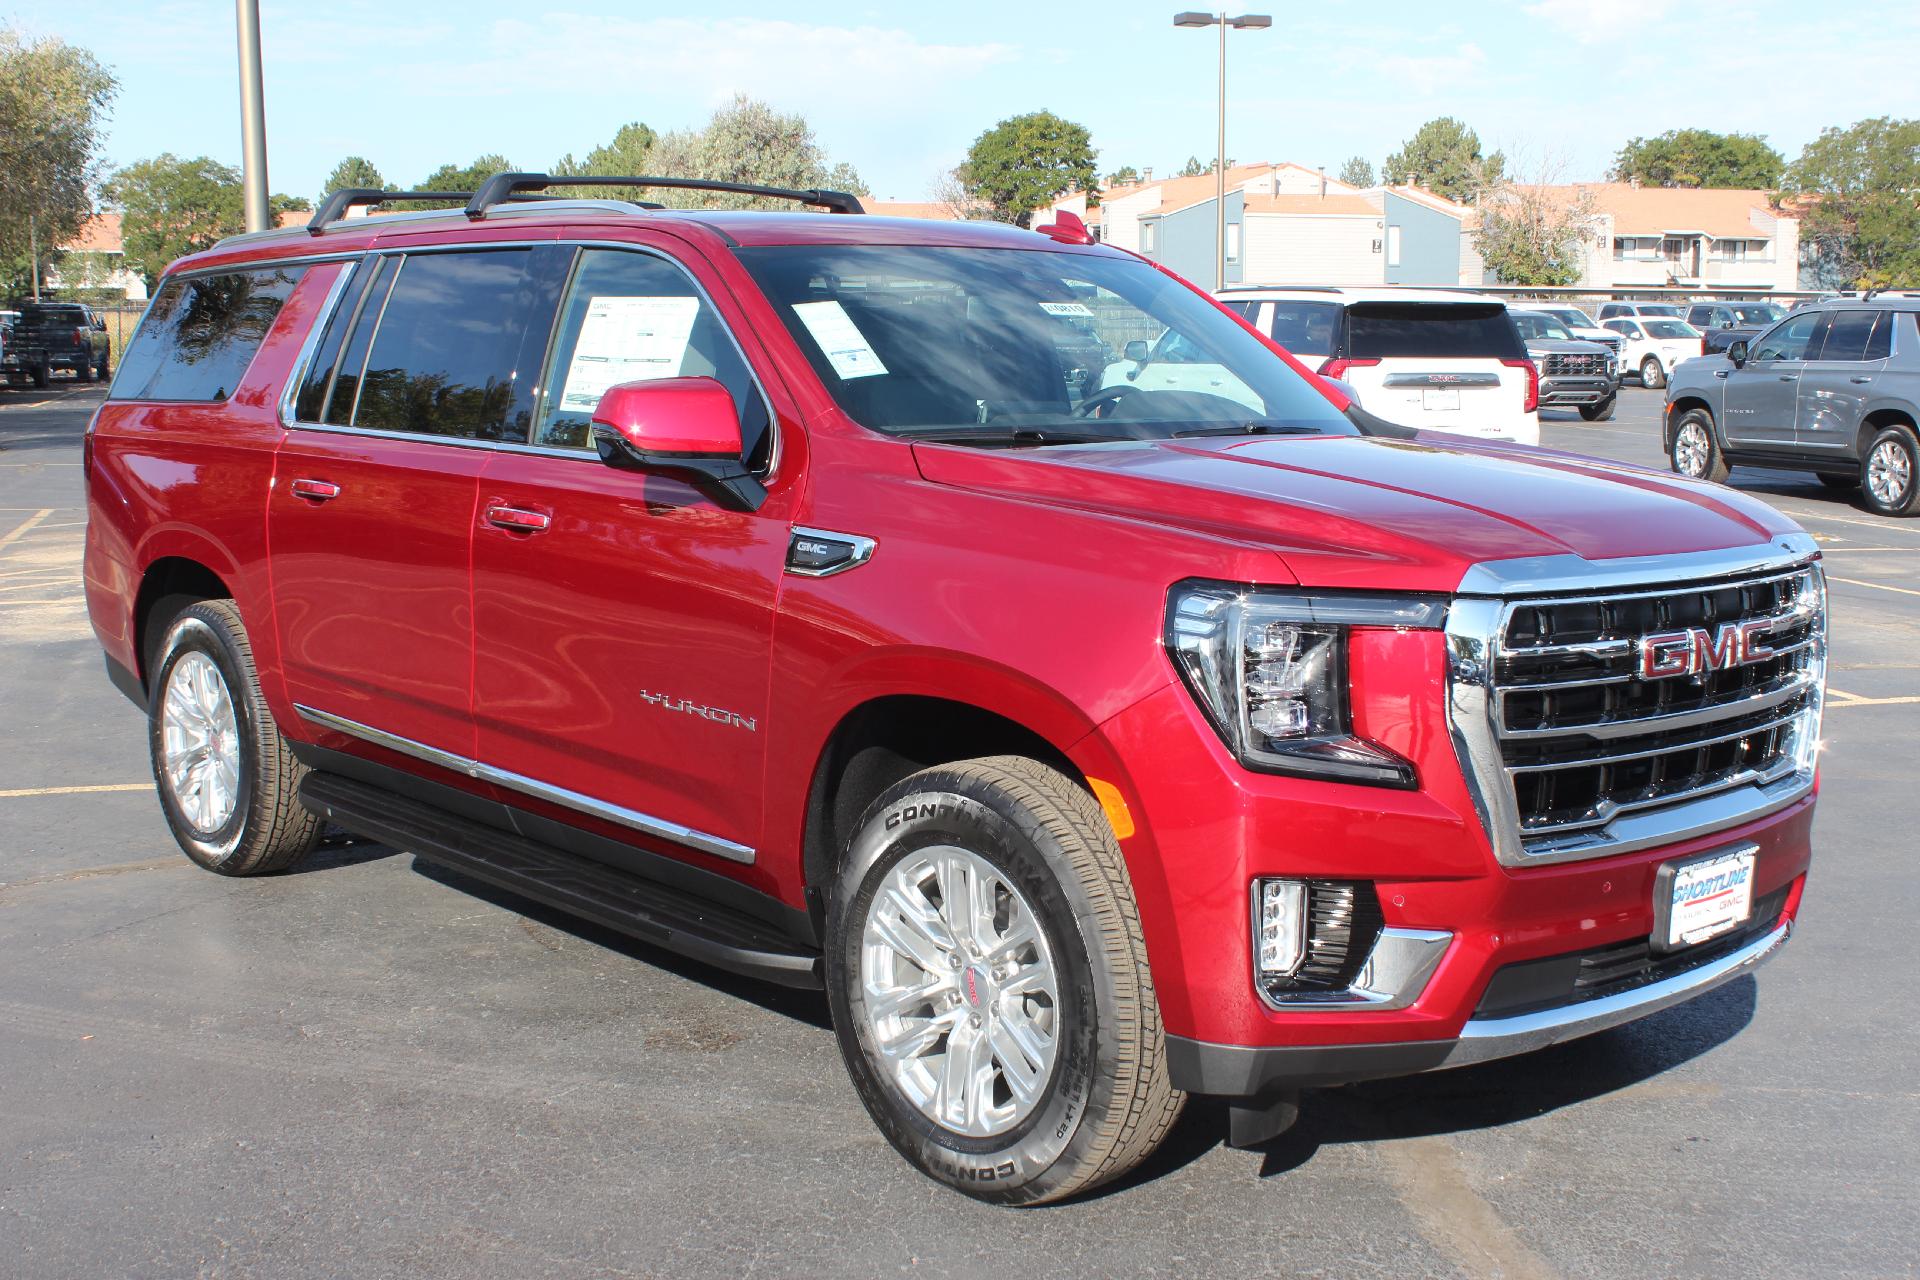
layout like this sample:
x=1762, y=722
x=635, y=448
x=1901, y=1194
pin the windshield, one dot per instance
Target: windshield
x=1572, y=317
x=1538, y=324
x=1670, y=329
x=1305, y=328
x=1011, y=346
x=1659, y=309
x=1758, y=314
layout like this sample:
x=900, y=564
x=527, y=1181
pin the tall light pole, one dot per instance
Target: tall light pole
x=1245, y=22
x=253, y=115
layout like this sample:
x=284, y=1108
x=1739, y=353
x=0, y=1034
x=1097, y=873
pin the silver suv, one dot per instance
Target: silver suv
x=1833, y=389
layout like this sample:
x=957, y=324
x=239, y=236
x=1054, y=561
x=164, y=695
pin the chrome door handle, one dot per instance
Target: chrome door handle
x=1719, y=373
x=318, y=490
x=1861, y=378
x=518, y=519
x=1789, y=377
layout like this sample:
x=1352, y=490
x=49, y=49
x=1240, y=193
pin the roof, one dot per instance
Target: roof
x=1387, y=293
x=1346, y=206
x=1723, y=213
x=98, y=234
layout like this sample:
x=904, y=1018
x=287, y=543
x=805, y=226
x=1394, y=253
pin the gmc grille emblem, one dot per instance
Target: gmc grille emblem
x=1693, y=652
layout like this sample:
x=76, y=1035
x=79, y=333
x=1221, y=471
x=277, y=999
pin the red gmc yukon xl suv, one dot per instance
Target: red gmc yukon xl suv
x=796, y=591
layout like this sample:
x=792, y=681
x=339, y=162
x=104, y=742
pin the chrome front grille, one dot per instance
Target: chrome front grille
x=1579, y=364
x=1596, y=722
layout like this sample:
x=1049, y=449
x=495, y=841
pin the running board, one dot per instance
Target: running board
x=644, y=909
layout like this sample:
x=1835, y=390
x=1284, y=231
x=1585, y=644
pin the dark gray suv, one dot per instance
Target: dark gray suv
x=1833, y=389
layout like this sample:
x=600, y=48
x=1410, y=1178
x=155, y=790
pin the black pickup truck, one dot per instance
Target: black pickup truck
x=51, y=336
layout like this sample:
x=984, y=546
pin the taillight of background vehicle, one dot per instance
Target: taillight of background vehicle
x=1533, y=382
x=1338, y=368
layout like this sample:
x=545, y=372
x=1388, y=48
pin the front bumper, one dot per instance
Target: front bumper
x=1564, y=392
x=1241, y=1071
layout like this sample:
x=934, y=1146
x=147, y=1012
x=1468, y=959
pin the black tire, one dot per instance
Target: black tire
x=1108, y=1100
x=83, y=372
x=1601, y=412
x=104, y=369
x=268, y=829
x=43, y=377
x=1651, y=374
x=1711, y=462
x=1890, y=472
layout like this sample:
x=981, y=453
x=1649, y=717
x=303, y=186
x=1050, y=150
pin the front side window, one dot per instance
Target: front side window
x=201, y=333
x=633, y=317
x=1305, y=328
x=981, y=345
x=1790, y=341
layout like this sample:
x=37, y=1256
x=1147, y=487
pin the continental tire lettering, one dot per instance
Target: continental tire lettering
x=988, y=1173
x=931, y=809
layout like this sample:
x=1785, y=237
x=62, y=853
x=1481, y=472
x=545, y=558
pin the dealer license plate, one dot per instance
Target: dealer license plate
x=1448, y=398
x=1704, y=898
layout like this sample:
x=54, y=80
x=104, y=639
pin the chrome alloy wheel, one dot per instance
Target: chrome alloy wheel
x=1692, y=450
x=962, y=1004
x=200, y=742
x=1889, y=473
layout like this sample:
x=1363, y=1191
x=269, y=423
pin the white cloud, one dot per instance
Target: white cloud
x=1426, y=75
x=1604, y=21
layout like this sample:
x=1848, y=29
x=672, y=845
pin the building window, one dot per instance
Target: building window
x=1730, y=250
x=1148, y=239
x=1233, y=242
x=1393, y=246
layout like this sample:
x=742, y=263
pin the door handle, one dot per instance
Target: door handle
x=1719, y=373
x=317, y=490
x=1789, y=377
x=518, y=519
x=1861, y=377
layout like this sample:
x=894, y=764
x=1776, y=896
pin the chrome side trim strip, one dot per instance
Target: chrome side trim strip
x=1484, y=1039
x=632, y=819
x=1396, y=974
x=1540, y=575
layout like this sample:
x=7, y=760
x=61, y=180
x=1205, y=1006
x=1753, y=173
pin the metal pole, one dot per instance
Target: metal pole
x=253, y=115
x=1220, y=174
x=33, y=251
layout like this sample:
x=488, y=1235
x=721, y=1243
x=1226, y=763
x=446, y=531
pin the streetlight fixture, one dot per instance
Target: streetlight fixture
x=1245, y=22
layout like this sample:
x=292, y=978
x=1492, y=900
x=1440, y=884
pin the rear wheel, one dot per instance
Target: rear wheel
x=1599, y=412
x=989, y=984
x=1651, y=374
x=1890, y=476
x=228, y=784
x=1694, y=452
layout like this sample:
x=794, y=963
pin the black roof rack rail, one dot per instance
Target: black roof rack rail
x=504, y=187
x=346, y=198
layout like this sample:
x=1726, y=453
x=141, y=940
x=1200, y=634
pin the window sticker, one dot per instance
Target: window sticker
x=627, y=339
x=846, y=348
x=1066, y=309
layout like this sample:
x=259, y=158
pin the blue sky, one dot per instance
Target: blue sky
x=900, y=90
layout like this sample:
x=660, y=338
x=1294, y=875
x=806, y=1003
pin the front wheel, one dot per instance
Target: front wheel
x=1601, y=412
x=1890, y=476
x=228, y=783
x=989, y=984
x=1694, y=452
x=1651, y=374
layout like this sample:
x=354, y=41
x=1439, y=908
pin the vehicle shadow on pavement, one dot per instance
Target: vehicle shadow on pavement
x=809, y=1007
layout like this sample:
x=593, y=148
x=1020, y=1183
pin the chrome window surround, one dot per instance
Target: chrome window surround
x=289, y=394
x=1475, y=625
x=633, y=819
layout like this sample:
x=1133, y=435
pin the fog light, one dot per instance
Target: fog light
x=1280, y=927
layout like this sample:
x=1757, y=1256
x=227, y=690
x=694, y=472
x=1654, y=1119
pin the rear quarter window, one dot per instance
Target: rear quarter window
x=200, y=334
x=1433, y=331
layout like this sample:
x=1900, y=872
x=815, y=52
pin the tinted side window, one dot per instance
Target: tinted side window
x=201, y=333
x=1791, y=340
x=1848, y=335
x=444, y=360
x=312, y=402
x=1432, y=331
x=632, y=317
x=1880, y=342
x=1305, y=328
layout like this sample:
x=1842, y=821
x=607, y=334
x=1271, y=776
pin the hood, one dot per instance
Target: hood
x=1560, y=346
x=1367, y=512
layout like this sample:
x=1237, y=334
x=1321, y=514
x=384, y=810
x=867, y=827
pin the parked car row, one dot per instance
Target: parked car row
x=44, y=338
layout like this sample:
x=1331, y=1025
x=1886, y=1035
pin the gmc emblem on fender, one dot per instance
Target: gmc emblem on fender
x=1694, y=652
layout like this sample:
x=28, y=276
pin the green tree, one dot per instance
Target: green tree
x=1357, y=172
x=1125, y=176
x=1856, y=192
x=1025, y=163
x=354, y=171
x=454, y=177
x=747, y=141
x=1699, y=158
x=1533, y=234
x=1444, y=156
x=170, y=207
x=1194, y=168
x=625, y=155
x=53, y=101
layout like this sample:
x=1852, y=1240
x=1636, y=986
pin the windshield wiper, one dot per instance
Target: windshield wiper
x=1009, y=436
x=1252, y=429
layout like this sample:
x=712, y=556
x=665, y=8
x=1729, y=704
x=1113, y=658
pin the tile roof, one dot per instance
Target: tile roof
x=1725, y=213
x=98, y=234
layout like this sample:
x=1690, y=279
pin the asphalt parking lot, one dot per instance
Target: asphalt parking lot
x=376, y=1068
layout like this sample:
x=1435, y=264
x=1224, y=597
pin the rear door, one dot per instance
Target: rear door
x=1763, y=395
x=1438, y=366
x=425, y=367
x=1834, y=388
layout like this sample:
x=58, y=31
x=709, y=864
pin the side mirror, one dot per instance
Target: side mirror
x=1136, y=351
x=678, y=426
x=1737, y=352
x=100, y=323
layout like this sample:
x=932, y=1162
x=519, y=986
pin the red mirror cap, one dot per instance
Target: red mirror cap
x=686, y=417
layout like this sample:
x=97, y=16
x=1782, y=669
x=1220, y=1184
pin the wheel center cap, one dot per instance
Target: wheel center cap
x=975, y=981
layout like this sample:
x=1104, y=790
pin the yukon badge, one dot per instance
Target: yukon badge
x=1693, y=652
x=671, y=702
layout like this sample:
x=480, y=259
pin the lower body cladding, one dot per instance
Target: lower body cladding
x=1452, y=958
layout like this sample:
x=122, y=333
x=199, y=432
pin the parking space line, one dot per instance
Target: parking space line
x=1822, y=515
x=1877, y=586
x=22, y=604
x=23, y=529
x=1856, y=700
x=24, y=792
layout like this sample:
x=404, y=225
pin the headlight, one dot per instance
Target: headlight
x=1269, y=669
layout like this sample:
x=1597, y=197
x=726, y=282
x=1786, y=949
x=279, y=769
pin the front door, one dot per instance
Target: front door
x=624, y=621
x=1763, y=395
x=372, y=512
x=1834, y=388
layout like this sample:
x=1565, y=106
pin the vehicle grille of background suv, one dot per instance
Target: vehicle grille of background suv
x=1572, y=743
x=1574, y=364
